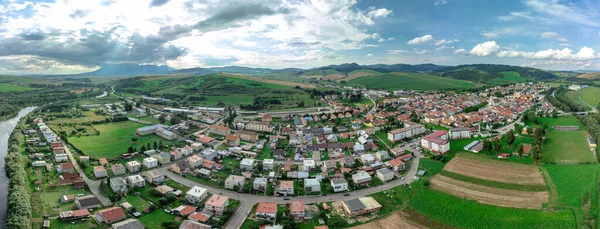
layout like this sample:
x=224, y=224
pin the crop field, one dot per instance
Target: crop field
x=13, y=88
x=113, y=140
x=410, y=81
x=503, y=172
x=435, y=209
x=490, y=195
x=269, y=81
x=567, y=147
x=360, y=73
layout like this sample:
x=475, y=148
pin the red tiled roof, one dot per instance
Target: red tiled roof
x=113, y=213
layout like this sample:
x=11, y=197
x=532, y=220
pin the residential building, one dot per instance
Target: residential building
x=329, y=166
x=180, y=167
x=133, y=166
x=367, y=159
x=187, y=150
x=176, y=155
x=397, y=164
x=232, y=140
x=148, y=130
x=382, y=155
x=459, y=133
x=385, y=174
x=285, y=188
x=117, y=169
x=118, y=185
x=308, y=165
x=100, y=172
x=410, y=130
x=162, y=158
x=87, y=202
x=216, y=204
x=266, y=211
x=219, y=130
x=194, y=161
x=361, y=206
x=297, y=209
x=74, y=214
x=260, y=184
x=436, y=142
x=189, y=224
x=268, y=164
x=339, y=184
x=347, y=161
x=234, y=182
x=164, y=189
x=61, y=157
x=247, y=164
x=154, y=176
x=196, y=195
x=136, y=181
x=209, y=154
x=150, y=162
x=260, y=126
x=64, y=167
x=361, y=177
x=248, y=136
x=110, y=215
x=312, y=185
x=128, y=224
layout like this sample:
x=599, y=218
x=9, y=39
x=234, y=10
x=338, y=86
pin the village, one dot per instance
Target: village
x=216, y=168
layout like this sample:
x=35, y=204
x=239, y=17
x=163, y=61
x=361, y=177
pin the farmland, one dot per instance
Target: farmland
x=504, y=172
x=591, y=95
x=113, y=140
x=410, y=81
x=13, y=88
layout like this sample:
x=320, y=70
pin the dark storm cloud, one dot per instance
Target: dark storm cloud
x=158, y=2
x=96, y=48
x=79, y=14
x=36, y=36
x=230, y=15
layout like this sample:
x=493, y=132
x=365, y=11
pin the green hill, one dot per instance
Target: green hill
x=410, y=81
x=493, y=73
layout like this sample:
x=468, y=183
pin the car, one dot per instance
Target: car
x=286, y=198
x=80, y=195
x=347, y=194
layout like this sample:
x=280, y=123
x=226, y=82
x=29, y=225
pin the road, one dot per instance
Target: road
x=593, y=108
x=248, y=200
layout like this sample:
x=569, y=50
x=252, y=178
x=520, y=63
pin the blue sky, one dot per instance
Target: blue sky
x=71, y=36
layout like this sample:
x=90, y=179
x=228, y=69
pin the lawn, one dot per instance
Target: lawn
x=155, y=218
x=436, y=209
x=50, y=199
x=114, y=139
x=568, y=147
x=410, y=81
x=137, y=202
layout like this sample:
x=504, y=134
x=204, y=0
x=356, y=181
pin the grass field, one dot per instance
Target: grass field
x=155, y=218
x=591, y=95
x=513, y=77
x=114, y=139
x=410, y=81
x=567, y=147
x=13, y=88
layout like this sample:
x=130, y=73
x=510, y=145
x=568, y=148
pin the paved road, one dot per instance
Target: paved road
x=94, y=185
x=593, y=108
x=249, y=200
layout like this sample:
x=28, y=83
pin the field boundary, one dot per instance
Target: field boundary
x=494, y=184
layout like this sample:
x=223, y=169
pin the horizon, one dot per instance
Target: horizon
x=58, y=37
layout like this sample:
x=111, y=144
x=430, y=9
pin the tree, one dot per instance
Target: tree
x=301, y=104
x=554, y=113
x=155, y=145
x=536, y=151
x=510, y=137
x=162, y=119
x=113, y=107
x=487, y=146
x=518, y=128
x=134, y=139
x=130, y=149
x=143, y=148
x=169, y=225
x=497, y=145
x=520, y=150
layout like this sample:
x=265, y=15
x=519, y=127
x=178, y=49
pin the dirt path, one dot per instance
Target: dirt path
x=485, y=169
x=395, y=220
x=490, y=195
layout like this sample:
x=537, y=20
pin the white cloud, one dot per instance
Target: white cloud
x=490, y=34
x=440, y=2
x=555, y=12
x=420, y=40
x=460, y=51
x=369, y=54
x=562, y=39
x=515, y=16
x=584, y=53
x=549, y=35
x=443, y=47
x=485, y=49
x=442, y=42
x=375, y=36
x=377, y=13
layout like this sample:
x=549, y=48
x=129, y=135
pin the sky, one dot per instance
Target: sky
x=72, y=36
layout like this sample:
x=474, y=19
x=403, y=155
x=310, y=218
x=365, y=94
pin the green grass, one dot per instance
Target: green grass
x=411, y=81
x=137, y=202
x=494, y=184
x=155, y=218
x=13, y=88
x=432, y=208
x=591, y=95
x=114, y=139
x=567, y=147
x=50, y=199
x=513, y=77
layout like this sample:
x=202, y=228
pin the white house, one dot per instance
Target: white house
x=234, y=180
x=410, y=130
x=209, y=154
x=118, y=184
x=436, y=142
x=247, y=164
x=196, y=195
x=339, y=184
x=361, y=177
x=154, y=176
x=61, y=157
x=260, y=184
x=268, y=164
x=150, y=162
x=136, y=181
x=308, y=165
x=385, y=174
x=459, y=133
x=367, y=159
x=312, y=185
x=133, y=166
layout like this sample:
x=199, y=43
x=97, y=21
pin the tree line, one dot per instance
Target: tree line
x=19, y=206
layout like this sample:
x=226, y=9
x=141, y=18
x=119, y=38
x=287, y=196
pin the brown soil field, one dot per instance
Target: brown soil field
x=358, y=75
x=588, y=75
x=488, y=169
x=333, y=77
x=277, y=82
x=489, y=195
x=395, y=220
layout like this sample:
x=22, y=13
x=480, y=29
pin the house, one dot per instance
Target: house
x=103, y=161
x=268, y=164
x=285, y=188
x=436, y=142
x=61, y=157
x=382, y=155
x=459, y=133
x=164, y=189
x=110, y=215
x=72, y=178
x=359, y=148
x=128, y=224
x=260, y=184
x=176, y=155
x=503, y=156
x=297, y=209
x=100, y=172
x=308, y=165
x=189, y=224
x=248, y=136
x=74, y=214
x=196, y=195
x=260, y=126
x=154, y=176
x=410, y=130
x=209, y=154
x=180, y=167
x=117, y=169
x=148, y=130
x=367, y=159
x=136, y=181
x=266, y=211
x=67, y=198
x=118, y=185
x=267, y=118
x=329, y=166
x=385, y=174
x=216, y=204
x=39, y=164
x=397, y=164
x=187, y=150
x=219, y=130
x=194, y=161
x=347, y=161
x=133, y=166
x=339, y=184
x=162, y=158
x=361, y=206
x=87, y=202
x=84, y=158
x=150, y=162
x=65, y=167
x=200, y=217
x=361, y=177
x=234, y=182
x=232, y=140
x=184, y=210
x=312, y=185
x=247, y=164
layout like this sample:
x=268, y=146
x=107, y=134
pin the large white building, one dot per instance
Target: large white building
x=410, y=130
x=459, y=133
x=247, y=164
x=385, y=174
x=150, y=162
x=436, y=142
x=361, y=177
x=196, y=194
x=339, y=184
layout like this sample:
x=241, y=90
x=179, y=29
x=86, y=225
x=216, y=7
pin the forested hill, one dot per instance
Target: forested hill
x=486, y=72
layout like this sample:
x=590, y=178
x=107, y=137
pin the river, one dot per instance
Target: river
x=6, y=128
